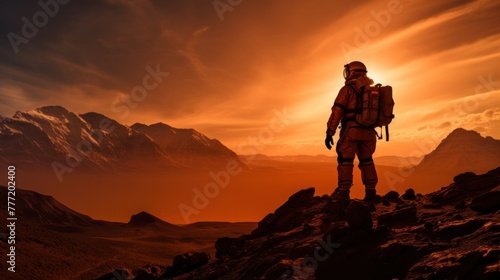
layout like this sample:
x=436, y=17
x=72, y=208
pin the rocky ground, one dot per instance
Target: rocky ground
x=453, y=233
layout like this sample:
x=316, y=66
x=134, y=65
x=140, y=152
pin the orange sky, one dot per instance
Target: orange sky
x=227, y=78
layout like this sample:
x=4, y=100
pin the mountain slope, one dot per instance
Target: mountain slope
x=51, y=134
x=43, y=209
x=189, y=147
x=56, y=242
x=461, y=151
x=53, y=137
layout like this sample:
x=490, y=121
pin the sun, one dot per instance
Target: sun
x=377, y=76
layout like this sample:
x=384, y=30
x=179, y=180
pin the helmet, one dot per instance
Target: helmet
x=355, y=65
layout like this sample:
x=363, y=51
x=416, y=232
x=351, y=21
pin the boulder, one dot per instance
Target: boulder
x=186, y=262
x=471, y=182
x=289, y=215
x=359, y=216
x=391, y=196
x=227, y=246
x=149, y=272
x=409, y=195
x=124, y=274
x=404, y=216
x=486, y=203
x=301, y=197
x=458, y=229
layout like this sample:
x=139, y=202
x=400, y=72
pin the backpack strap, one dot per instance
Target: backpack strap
x=359, y=100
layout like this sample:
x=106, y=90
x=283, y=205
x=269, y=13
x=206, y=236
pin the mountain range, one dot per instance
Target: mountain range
x=53, y=136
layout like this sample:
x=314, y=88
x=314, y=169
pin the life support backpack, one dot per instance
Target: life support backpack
x=374, y=107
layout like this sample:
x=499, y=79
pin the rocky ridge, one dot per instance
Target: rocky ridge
x=453, y=233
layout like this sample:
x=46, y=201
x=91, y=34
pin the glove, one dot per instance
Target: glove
x=329, y=141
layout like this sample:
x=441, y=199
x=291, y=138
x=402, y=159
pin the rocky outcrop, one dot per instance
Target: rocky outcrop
x=487, y=202
x=450, y=234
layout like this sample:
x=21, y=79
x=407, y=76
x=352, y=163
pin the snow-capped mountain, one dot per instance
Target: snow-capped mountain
x=53, y=136
x=188, y=147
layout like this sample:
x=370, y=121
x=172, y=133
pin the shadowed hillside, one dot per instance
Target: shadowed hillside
x=56, y=242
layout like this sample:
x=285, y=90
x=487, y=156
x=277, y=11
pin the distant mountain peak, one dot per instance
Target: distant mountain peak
x=188, y=146
x=144, y=218
x=461, y=151
x=53, y=110
x=161, y=124
x=460, y=132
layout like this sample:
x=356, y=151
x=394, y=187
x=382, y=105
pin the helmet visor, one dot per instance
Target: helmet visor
x=346, y=71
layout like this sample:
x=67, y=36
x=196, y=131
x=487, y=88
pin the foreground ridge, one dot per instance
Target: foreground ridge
x=449, y=234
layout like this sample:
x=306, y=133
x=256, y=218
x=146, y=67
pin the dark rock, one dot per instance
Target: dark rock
x=432, y=205
x=124, y=274
x=359, y=216
x=228, y=246
x=486, y=203
x=494, y=172
x=277, y=270
x=185, y=263
x=472, y=182
x=308, y=227
x=435, y=244
x=402, y=216
x=198, y=259
x=302, y=196
x=457, y=229
x=216, y=273
x=259, y=266
x=180, y=260
x=458, y=217
x=429, y=226
x=448, y=195
x=461, y=205
x=337, y=232
x=409, y=195
x=453, y=194
x=149, y=273
x=266, y=221
x=386, y=202
x=391, y=196
x=388, y=261
x=401, y=204
x=289, y=215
